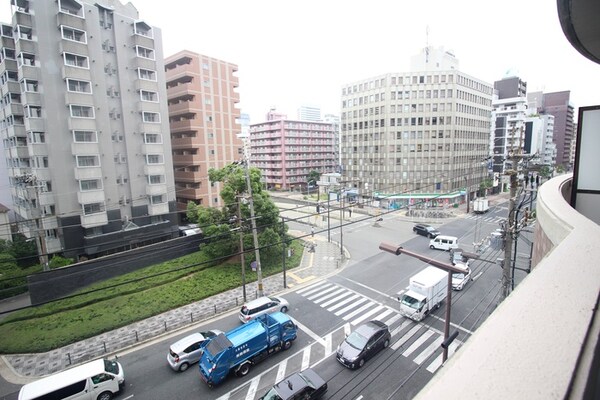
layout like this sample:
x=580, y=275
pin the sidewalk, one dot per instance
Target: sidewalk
x=24, y=368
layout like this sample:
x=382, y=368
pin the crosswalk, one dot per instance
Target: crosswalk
x=490, y=219
x=411, y=340
x=356, y=308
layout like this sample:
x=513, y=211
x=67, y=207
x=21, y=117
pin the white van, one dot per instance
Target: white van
x=442, y=242
x=96, y=380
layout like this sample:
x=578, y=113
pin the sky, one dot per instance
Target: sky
x=291, y=53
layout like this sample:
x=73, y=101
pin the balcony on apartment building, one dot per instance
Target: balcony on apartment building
x=540, y=342
x=180, y=86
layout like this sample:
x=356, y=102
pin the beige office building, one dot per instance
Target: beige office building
x=416, y=137
x=84, y=124
x=203, y=118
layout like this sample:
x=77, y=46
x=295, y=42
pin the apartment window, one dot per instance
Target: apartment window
x=33, y=111
x=29, y=85
x=23, y=32
x=88, y=161
x=81, y=111
x=151, y=117
x=85, y=137
x=152, y=138
x=73, y=34
x=36, y=137
x=7, y=53
x=74, y=85
x=154, y=159
x=26, y=59
x=144, y=52
x=75, y=60
x=205, y=66
x=147, y=74
x=71, y=7
x=156, y=179
x=93, y=208
x=146, y=95
x=39, y=162
x=157, y=199
x=90, y=184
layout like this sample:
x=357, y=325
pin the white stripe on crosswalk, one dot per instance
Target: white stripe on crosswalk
x=328, y=296
x=402, y=326
x=336, y=299
x=358, y=311
x=343, y=302
x=351, y=306
x=367, y=315
x=328, y=346
x=315, y=290
x=253, y=387
x=406, y=336
x=394, y=318
x=438, y=360
x=321, y=292
x=385, y=313
x=311, y=287
x=281, y=370
x=306, y=358
x=425, y=354
x=417, y=343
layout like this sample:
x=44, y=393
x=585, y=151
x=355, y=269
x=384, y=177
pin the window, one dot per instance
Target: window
x=154, y=159
x=152, y=138
x=22, y=32
x=151, y=117
x=88, y=161
x=74, y=85
x=147, y=74
x=93, y=208
x=146, y=95
x=29, y=85
x=27, y=59
x=157, y=199
x=36, y=137
x=85, y=137
x=81, y=111
x=73, y=34
x=75, y=60
x=145, y=52
x=71, y=7
x=90, y=184
x=156, y=179
x=33, y=111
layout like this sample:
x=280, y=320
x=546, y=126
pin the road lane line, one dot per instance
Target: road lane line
x=306, y=358
x=310, y=333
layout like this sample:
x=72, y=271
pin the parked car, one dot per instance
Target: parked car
x=363, y=343
x=262, y=305
x=306, y=384
x=459, y=280
x=426, y=230
x=188, y=350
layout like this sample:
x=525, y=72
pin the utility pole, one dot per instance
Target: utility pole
x=39, y=223
x=259, y=281
x=283, y=246
x=243, y=258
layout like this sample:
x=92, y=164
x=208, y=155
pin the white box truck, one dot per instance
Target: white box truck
x=425, y=292
x=481, y=206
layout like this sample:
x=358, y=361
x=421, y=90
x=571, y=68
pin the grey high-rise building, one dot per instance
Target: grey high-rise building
x=85, y=125
x=417, y=136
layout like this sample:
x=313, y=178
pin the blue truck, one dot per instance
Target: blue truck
x=240, y=348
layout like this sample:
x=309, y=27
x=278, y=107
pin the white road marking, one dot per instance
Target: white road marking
x=321, y=293
x=336, y=299
x=343, y=302
x=253, y=387
x=310, y=333
x=406, y=336
x=281, y=370
x=438, y=360
x=328, y=296
x=424, y=355
x=351, y=306
x=367, y=315
x=417, y=343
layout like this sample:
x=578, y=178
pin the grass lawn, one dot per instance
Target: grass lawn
x=181, y=281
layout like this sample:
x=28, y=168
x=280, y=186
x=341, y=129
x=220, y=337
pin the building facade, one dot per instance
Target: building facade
x=286, y=151
x=416, y=136
x=203, y=117
x=84, y=123
x=309, y=113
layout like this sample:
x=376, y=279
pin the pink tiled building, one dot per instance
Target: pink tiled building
x=203, y=118
x=286, y=151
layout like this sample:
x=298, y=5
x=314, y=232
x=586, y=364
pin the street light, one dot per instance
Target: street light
x=397, y=250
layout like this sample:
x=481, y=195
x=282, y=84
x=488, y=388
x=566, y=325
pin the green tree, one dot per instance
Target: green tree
x=57, y=261
x=24, y=251
x=545, y=171
x=484, y=186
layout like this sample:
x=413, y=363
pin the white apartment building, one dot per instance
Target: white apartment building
x=417, y=136
x=84, y=123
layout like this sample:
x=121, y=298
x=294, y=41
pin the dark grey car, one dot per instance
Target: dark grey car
x=426, y=230
x=366, y=341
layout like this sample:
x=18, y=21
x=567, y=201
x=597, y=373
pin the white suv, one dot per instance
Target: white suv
x=262, y=305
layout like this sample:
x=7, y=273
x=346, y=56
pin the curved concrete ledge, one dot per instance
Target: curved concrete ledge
x=539, y=343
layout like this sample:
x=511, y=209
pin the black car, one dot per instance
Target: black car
x=301, y=385
x=426, y=230
x=366, y=341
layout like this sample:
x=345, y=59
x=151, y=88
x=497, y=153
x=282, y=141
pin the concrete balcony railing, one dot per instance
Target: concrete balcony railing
x=542, y=341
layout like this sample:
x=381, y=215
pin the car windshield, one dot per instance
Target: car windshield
x=458, y=275
x=274, y=299
x=356, y=340
x=411, y=302
x=111, y=366
x=245, y=310
x=430, y=229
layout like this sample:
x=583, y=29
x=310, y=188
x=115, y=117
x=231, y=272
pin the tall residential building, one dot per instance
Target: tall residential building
x=418, y=135
x=286, y=151
x=539, y=130
x=84, y=122
x=559, y=105
x=203, y=117
x=335, y=121
x=309, y=113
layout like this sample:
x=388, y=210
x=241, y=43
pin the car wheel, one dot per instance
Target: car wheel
x=361, y=362
x=431, y=247
x=183, y=367
x=105, y=396
x=287, y=344
x=284, y=309
x=386, y=343
x=243, y=370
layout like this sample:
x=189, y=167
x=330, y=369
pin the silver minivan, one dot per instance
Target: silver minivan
x=443, y=242
x=262, y=305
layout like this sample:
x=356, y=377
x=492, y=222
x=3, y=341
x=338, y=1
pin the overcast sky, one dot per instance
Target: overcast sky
x=302, y=52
